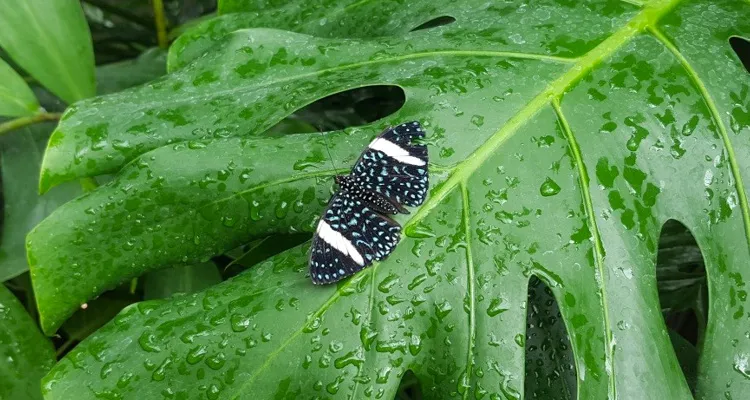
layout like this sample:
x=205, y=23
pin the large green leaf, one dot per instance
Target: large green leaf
x=51, y=41
x=562, y=136
x=25, y=354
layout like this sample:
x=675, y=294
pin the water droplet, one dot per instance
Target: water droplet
x=216, y=361
x=387, y=283
x=549, y=188
x=255, y=211
x=741, y=365
x=415, y=346
x=196, y=354
x=147, y=342
x=282, y=208
x=477, y=120
x=419, y=231
x=443, y=309
x=355, y=358
x=161, y=372
x=496, y=307
x=228, y=221
x=239, y=323
x=333, y=387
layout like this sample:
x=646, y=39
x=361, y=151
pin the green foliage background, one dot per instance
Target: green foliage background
x=567, y=139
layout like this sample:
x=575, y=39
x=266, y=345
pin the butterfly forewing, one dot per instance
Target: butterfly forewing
x=396, y=167
x=354, y=232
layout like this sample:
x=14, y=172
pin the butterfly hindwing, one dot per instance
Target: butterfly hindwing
x=349, y=237
x=396, y=167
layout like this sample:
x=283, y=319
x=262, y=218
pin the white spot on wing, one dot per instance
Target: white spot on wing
x=339, y=242
x=395, y=151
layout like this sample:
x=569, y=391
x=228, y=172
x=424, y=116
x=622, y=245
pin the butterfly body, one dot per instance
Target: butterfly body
x=356, y=230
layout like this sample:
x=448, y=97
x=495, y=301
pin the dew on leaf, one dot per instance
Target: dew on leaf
x=549, y=188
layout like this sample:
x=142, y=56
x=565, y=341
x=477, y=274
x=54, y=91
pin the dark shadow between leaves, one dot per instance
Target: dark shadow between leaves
x=683, y=294
x=409, y=388
x=435, y=22
x=350, y=108
x=247, y=256
x=550, y=370
x=741, y=47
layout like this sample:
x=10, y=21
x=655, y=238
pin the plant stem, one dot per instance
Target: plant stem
x=161, y=23
x=61, y=350
x=20, y=122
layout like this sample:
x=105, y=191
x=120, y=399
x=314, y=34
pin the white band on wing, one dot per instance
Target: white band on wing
x=339, y=242
x=395, y=151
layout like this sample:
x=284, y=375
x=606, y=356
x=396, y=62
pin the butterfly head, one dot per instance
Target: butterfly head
x=344, y=181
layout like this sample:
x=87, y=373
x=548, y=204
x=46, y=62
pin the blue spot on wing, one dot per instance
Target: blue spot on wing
x=405, y=184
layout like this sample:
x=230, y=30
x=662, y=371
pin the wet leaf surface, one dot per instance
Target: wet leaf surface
x=25, y=354
x=558, y=150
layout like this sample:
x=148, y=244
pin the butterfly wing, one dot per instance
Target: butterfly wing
x=394, y=166
x=349, y=237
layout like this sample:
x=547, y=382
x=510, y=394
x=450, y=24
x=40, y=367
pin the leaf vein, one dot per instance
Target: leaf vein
x=598, y=246
x=466, y=220
x=731, y=156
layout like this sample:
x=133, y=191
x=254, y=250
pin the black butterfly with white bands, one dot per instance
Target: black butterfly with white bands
x=355, y=230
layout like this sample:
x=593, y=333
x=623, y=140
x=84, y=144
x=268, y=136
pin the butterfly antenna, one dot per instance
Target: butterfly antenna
x=328, y=150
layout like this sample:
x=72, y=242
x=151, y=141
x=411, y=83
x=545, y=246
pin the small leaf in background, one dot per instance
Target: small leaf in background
x=25, y=354
x=180, y=279
x=688, y=356
x=16, y=98
x=97, y=313
x=117, y=76
x=50, y=40
x=20, y=158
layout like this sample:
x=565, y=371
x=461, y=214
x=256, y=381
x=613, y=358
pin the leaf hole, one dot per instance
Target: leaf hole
x=435, y=22
x=350, y=108
x=683, y=294
x=409, y=388
x=741, y=47
x=550, y=369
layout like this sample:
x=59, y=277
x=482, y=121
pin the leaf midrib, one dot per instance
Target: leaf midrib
x=598, y=247
x=647, y=17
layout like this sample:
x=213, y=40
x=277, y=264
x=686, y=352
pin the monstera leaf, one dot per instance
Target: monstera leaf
x=562, y=135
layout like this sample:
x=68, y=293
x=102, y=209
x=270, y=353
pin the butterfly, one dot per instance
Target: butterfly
x=356, y=229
